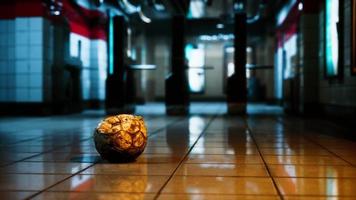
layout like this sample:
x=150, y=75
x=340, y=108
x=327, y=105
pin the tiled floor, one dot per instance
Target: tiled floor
x=207, y=155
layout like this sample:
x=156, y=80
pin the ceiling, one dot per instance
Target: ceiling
x=203, y=16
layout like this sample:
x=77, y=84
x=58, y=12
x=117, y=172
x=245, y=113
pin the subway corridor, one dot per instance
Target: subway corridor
x=206, y=155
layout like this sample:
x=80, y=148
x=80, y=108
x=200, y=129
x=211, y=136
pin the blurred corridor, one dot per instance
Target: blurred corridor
x=244, y=99
x=203, y=156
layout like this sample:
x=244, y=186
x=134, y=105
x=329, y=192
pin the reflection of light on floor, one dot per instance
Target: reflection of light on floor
x=253, y=186
x=290, y=170
x=331, y=183
x=196, y=125
x=80, y=183
x=157, y=108
x=232, y=151
x=264, y=109
x=210, y=108
x=149, y=187
x=196, y=150
x=217, y=166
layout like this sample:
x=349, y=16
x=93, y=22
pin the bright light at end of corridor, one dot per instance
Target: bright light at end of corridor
x=219, y=26
x=300, y=6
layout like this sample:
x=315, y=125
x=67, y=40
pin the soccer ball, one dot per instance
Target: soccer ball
x=121, y=138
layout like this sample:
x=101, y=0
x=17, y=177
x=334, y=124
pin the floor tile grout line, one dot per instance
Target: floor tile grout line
x=79, y=172
x=59, y=182
x=323, y=147
x=163, y=127
x=25, y=140
x=38, y=154
x=263, y=177
x=276, y=164
x=180, y=175
x=256, y=195
x=264, y=161
x=228, y=163
x=32, y=196
x=154, y=175
x=184, y=158
x=68, y=145
x=174, y=193
x=31, y=139
x=336, y=155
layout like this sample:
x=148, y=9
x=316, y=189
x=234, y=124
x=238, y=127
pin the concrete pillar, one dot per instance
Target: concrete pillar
x=309, y=42
x=115, y=101
x=177, y=91
x=236, y=84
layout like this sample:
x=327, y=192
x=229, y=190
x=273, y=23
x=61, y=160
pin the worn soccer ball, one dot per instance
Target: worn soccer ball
x=121, y=138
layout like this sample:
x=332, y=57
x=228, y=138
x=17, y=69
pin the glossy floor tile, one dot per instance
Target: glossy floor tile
x=111, y=183
x=305, y=160
x=317, y=186
x=220, y=169
x=28, y=182
x=93, y=196
x=227, y=150
x=320, y=171
x=296, y=151
x=234, y=159
x=143, y=169
x=65, y=157
x=220, y=185
x=189, y=196
x=8, y=158
x=16, y=195
x=43, y=168
x=206, y=155
x=317, y=198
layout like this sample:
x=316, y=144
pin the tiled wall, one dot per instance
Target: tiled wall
x=21, y=60
x=26, y=58
x=80, y=48
x=334, y=92
x=98, y=72
x=93, y=56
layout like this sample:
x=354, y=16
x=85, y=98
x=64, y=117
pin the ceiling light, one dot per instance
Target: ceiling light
x=220, y=26
x=56, y=13
x=300, y=6
x=159, y=7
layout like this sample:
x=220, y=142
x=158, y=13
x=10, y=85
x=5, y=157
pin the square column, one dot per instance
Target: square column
x=115, y=101
x=236, y=84
x=177, y=90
